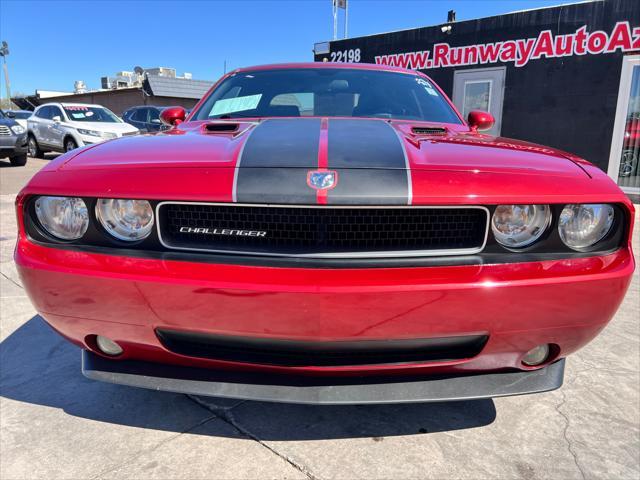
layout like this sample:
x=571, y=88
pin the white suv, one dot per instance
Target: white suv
x=64, y=126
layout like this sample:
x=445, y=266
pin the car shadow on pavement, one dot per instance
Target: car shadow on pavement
x=38, y=367
x=5, y=163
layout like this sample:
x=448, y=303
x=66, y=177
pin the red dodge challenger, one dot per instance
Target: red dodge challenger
x=325, y=233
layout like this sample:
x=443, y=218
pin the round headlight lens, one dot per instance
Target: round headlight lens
x=584, y=225
x=65, y=218
x=519, y=225
x=128, y=220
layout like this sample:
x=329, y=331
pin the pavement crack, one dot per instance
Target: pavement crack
x=567, y=424
x=132, y=459
x=226, y=415
x=12, y=281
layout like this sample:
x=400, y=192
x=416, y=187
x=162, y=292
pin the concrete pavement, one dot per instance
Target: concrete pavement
x=56, y=424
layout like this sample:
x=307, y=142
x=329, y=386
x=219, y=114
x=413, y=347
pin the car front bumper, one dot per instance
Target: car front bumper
x=517, y=306
x=11, y=145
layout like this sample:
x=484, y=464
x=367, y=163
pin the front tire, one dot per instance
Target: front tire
x=18, y=160
x=70, y=144
x=33, y=149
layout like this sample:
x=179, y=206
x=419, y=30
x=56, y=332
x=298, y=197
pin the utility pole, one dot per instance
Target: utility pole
x=4, y=52
x=346, y=18
x=337, y=5
x=335, y=19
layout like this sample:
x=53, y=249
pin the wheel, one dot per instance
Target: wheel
x=70, y=144
x=33, y=150
x=19, y=160
x=628, y=162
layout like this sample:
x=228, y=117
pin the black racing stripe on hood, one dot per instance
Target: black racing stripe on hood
x=274, y=185
x=275, y=159
x=365, y=186
x=282, y=143
x=364, y=144
x=371, y=163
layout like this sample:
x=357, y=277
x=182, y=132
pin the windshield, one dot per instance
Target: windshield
x=327, y=92
x=22, y=115
x=80, y=113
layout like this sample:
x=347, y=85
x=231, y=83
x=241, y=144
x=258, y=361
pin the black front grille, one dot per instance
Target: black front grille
x=292, y=353
x=322, y=231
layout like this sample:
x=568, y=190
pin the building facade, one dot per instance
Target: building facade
x=153, y=90
x=565, y=76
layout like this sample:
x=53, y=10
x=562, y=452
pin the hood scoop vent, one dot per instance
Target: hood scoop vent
x=222, y=127
x=429, y=131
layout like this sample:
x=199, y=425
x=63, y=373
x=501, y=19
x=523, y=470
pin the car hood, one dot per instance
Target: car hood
x=344, y=143
x=9, y=122
x=371, y=162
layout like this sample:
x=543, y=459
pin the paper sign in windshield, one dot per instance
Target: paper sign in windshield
x=427, y=86
x=77, y=115
x=238, y=104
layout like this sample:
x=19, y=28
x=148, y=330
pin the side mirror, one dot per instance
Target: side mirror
x=173, y=116
x=10, y=114
x=56, y=119
x=480, y=120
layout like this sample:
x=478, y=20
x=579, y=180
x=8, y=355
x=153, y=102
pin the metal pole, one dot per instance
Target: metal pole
x=346, y=19
x=335, y=19
x=6, y=79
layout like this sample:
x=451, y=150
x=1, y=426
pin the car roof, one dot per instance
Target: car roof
x=65, y=104
x=319, y=65
x=159, y=107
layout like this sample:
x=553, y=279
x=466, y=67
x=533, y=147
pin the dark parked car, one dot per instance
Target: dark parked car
x=13, y=141
x=146, y=118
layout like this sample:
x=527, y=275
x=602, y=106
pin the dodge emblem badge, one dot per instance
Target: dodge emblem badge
x=322, y=179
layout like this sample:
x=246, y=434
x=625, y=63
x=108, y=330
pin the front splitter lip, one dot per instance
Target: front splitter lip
x=321, y=391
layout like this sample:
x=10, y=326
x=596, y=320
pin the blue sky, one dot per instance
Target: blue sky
x=54, y=42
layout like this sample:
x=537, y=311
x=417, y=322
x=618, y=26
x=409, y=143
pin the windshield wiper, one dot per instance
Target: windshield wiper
x=236, y=115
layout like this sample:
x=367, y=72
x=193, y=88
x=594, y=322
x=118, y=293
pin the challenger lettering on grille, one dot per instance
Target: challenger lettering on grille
x=223, y=231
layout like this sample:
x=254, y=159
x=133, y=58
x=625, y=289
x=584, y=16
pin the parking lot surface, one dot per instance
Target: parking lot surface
x=56, y=424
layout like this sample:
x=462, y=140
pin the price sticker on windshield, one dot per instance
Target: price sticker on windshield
x=238, y=104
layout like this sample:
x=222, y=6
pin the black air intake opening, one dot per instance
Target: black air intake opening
x=429, y=131
x=296, y=353
x=222, y=127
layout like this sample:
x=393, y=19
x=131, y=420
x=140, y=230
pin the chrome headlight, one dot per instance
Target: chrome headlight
x=520, y=225
x=584, y=225
x=96, y=133
x=17, y=129
x=65, y=218
x=90, y=133
x=128, y=220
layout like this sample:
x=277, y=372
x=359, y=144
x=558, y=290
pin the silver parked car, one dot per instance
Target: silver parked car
x=62, y=127
x=13, y=141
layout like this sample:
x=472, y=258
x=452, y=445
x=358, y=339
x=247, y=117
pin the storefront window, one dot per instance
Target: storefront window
x=476, y=96
x=629, y=172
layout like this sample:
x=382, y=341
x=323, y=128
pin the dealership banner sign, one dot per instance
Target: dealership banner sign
x=623, y=37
